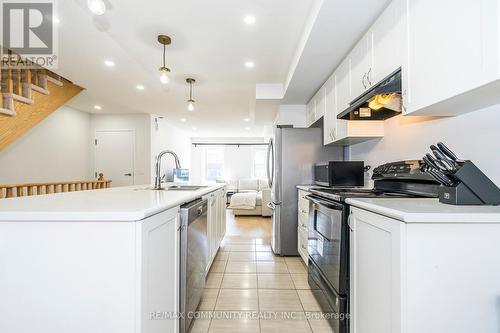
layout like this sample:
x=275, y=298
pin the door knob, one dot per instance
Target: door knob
x=128, y=174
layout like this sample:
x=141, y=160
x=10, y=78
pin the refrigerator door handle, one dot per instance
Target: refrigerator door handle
x=270, y=163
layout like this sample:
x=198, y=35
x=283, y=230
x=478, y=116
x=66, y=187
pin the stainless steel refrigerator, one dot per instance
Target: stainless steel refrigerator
x=292, y=154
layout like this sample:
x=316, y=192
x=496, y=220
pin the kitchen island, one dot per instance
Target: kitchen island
x=417, y=265
x=95, y=261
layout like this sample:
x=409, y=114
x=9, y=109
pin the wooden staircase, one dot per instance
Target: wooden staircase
x=29, y=93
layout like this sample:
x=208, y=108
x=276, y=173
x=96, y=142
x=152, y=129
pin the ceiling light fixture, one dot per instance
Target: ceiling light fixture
x=56, y=20
x=247, y=128
x=190, y=105
x=183, y=120
x=109, y=63
x=97, y=7
x=164, y=70
x=97, y=107
x=247, y=119
x=140, y=87
x=249, y=64
x=249, y=19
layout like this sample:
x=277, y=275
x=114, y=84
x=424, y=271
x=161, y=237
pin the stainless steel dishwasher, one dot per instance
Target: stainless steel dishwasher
x=194, y=258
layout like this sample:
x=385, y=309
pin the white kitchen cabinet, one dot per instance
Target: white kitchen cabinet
x=436, y=277
x=303, y=228
x=316, y=106
x=361, y=64
x=216, y=222
x=311, y=111
x=453, y=60
x=375, y=271
x=330, y=117
x=388, y=43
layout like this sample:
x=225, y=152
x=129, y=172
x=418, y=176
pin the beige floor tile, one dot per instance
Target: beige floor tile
x=241, y=247
x=318, y=324
x=300, y=281
x=279, y=300
x=293, y=259
x=218, y=266
x=238, y=240
x=296, y=267
x=223, y=256
x=263, y=241
x=268, y=256
x=201, y=324
x=271, y=267
x=214, y=280
x=224, y=247
x=237, y=300
x=286, y=323
x=208, y=299
x=313, y=300
x=263, y=248
x=275, y=281
x=241, y=267
x=239, y=281
x=242, y=256
x=230, y=322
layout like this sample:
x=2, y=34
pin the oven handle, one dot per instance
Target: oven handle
x=325, y=203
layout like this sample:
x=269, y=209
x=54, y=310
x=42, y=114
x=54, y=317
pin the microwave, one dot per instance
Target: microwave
x=340, y=174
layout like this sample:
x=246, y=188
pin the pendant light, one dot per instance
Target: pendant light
x=190, y=105
x=97, y=7
x=164, y=70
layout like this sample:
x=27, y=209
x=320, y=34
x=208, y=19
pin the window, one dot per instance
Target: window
x=214, y=163
x=259, y=162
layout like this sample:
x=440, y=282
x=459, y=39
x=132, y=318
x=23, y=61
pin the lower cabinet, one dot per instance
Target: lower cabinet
x=216, y=222
x=303, y=230
x=435, y=277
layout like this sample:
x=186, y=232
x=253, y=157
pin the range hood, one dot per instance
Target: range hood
x=381, y=102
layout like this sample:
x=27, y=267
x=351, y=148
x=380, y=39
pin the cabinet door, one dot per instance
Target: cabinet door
x=388, y=46
x=311, y=111
x=343, y=94
x=330, y=118
x=160, y=270
x=376, y=270
x=320, y=103
x=360, y=62
x=452, y=49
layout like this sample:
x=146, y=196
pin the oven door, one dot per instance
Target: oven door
x=328, y=242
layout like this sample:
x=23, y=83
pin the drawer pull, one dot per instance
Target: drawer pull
x=304, y=247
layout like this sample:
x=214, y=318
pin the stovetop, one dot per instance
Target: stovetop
x=340, y=194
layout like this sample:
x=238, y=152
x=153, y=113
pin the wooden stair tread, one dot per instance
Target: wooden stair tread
x=40, y=89
x=54, y=81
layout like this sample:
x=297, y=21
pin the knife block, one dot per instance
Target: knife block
x=472, y=187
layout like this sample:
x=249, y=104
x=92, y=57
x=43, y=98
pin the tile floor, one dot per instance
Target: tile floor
x=249, y=289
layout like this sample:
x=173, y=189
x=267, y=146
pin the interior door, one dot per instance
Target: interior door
x=114, y=156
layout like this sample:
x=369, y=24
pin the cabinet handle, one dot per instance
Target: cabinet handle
x=363, y=80
x=303, y=211
x=304, y=247
x=368, y=77
x=303, y=225
x=349, y=220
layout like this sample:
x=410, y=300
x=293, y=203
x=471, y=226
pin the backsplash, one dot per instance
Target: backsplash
x=474, y=136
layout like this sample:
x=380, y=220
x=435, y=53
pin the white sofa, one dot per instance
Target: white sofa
x=263, y=196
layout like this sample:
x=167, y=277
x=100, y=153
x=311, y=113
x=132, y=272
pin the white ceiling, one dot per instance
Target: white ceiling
x=332, y=30
x=210, y=43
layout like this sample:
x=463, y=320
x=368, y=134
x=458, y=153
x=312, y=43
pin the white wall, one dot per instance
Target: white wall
x=474, y=136
x=167, y=137
x=141, y=124
x=57, y=149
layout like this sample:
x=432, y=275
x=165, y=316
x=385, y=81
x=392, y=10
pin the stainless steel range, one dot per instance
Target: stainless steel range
x=328, y=242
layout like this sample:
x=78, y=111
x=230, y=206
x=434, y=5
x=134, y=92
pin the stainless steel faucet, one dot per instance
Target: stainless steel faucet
x=158, y=166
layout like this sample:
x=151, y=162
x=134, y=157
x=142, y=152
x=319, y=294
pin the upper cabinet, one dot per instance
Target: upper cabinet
x=316, y=106
x=453, y=57
x=361, y=64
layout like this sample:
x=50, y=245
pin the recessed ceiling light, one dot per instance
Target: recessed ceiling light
x=109, y=63
x=249, y=19
x=247, y=128
x=247, y=119
x=97, y=107
x=140, y=87
x=194, y=129
x=97, y=7
x=249, y=64
x=183, y=120
x=56, y=19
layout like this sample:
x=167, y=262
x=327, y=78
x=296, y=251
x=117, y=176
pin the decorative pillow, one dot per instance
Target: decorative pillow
x=248, y=185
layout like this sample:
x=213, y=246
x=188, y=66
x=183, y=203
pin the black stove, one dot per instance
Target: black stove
x=340, y=194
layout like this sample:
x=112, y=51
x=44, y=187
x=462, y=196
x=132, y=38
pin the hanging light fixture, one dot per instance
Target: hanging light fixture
x=164, y=70
x=97, y=7
x=190, y=105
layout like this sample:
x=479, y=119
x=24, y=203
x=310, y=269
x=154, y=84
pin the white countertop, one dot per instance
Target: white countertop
x=132, y=203
x=427, y=210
